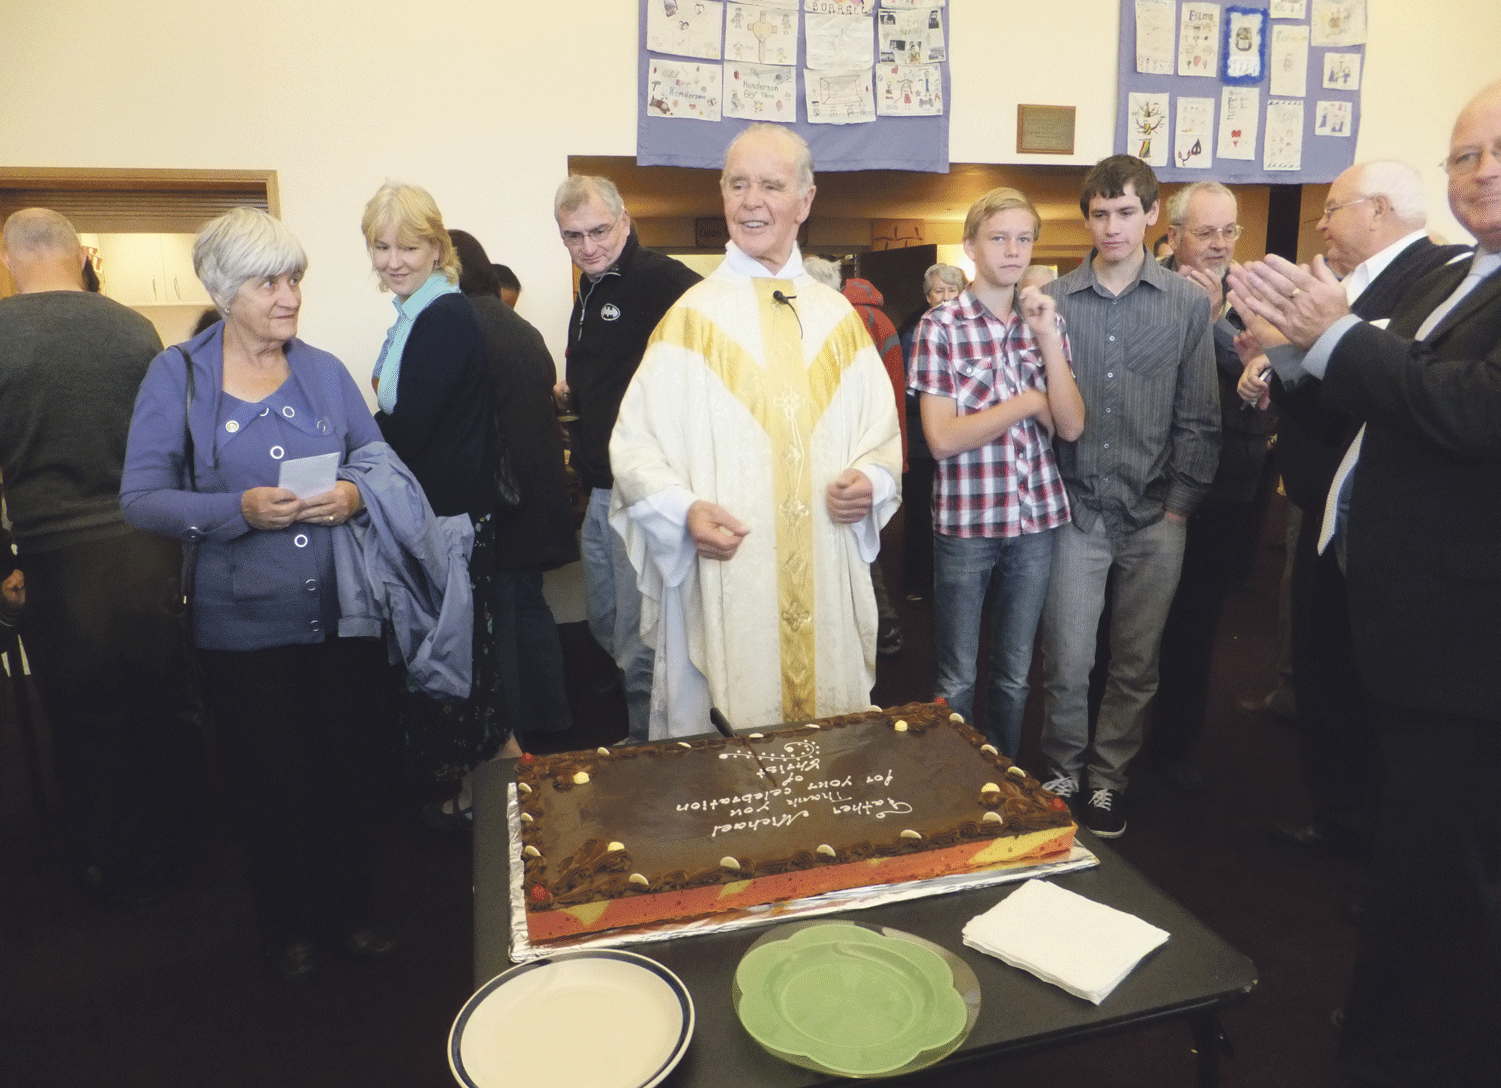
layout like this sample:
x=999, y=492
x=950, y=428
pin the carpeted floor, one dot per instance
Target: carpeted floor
x=174, y=994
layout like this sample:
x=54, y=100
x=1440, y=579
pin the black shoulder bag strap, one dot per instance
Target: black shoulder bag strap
x=190, y=545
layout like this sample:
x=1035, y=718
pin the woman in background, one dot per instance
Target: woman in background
x=296, y=706
x=432, y=384
x=538, y=534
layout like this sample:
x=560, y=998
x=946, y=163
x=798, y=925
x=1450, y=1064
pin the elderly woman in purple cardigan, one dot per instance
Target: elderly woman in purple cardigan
x=296, y=706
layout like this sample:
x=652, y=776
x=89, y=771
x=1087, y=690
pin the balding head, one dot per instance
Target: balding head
x=1370, y=206
x=1474, y=168
x=42, y=251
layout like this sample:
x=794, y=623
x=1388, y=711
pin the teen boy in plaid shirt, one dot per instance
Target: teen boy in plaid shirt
x=992, y=368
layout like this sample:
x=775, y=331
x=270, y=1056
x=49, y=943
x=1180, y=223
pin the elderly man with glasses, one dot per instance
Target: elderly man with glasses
x=1373, y=228
x=624, y=289
x=1203, y=225
x=1420, y=526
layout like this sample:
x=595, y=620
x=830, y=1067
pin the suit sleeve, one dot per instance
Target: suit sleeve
x=1451, y=403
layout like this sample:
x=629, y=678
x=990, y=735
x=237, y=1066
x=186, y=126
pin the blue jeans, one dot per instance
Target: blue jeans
x=614, y=606
x=1017, y=570
x=530, y=653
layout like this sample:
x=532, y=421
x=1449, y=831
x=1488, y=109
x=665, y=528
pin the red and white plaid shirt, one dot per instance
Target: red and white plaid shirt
x=1009, y=487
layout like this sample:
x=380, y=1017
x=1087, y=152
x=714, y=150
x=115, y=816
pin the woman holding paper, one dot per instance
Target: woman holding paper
x=221, y=455
x=437, y=410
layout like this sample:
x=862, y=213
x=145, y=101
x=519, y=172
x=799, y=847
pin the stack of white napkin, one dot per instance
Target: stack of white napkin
x=1082, y=946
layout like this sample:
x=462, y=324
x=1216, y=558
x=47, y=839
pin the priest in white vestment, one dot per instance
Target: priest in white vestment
x=755, y=460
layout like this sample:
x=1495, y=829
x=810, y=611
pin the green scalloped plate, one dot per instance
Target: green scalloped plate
x=847, y=999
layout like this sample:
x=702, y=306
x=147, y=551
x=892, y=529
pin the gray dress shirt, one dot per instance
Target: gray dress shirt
x=1144, y=363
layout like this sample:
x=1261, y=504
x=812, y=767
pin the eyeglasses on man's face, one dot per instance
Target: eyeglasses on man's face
x=575, y=238
x=1330, y=209
x=1466, y=160
x=1227, y=234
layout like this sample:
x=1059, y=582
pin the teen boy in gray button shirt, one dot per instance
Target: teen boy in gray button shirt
x=1144, y=363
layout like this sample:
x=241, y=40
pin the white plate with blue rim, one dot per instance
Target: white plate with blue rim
x=588, y=1019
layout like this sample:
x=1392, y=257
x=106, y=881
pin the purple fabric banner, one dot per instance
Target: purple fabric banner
x=1331, y=115
x=887, y=143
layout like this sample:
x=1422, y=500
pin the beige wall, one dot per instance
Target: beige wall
x=338, y=95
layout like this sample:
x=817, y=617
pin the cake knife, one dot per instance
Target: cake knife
x=722, y=724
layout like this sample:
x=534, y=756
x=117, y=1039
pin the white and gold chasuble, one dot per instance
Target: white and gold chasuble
x=756, y=405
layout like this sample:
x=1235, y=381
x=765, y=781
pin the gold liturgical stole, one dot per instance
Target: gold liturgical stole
x=787, y=398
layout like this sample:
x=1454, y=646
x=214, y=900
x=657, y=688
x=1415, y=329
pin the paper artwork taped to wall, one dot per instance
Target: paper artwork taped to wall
x=848, y=7
x=1334, y=118
x=909, y=90
x=683, y=90
x=1193, y=138
x=1289, y=61
x=1149, y=132
x=1283, y=149
x=684, y=28
x=1245, y=45
x=1199, y=40
x=839, y=98
x=1289, y=9
x=759, y=34
x=838, y=42
x=1154, y=36
x=1240, y=120
x=1338, y=23
x=1342, y=71
x=760, y=92
x=910, y=37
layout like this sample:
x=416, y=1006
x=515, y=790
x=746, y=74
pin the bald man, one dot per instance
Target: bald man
x=109, y=657
x=1421, y=531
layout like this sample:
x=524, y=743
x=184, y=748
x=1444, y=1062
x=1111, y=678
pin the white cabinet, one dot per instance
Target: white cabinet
x=150, y=270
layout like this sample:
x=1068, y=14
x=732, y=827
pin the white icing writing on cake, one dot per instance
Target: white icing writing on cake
x=742, y=799
x=765, y=821
x=804, y=785
x=879, y=809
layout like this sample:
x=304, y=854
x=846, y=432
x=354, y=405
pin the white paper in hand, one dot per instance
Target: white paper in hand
x=1075, y=943
x=309, y=477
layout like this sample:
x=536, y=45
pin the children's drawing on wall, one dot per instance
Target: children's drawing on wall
x=1289, y=9
x=1289, y=60
x=1342, y=71
x=1240, y=109
x=841, y=7
x=1245, y=45
x=685, y=28
x=909, y=90
x=760, y=92
x=837, y=42
x=1149, y=133
x=906, y=3
x=910, y=37
x=1333, y=118
x=1199, y=40
x=1154, y=36
x=1284, y=136
x=1338, y=23
x=759, y=34
x=1193, y=138
x=839, y=98
x=683, y=90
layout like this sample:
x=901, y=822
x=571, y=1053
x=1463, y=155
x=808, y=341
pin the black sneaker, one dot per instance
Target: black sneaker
x=1105, y=814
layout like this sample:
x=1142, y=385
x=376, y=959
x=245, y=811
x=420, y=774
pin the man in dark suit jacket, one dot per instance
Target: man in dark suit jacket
x=1423, y=544
x=1373, y=228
